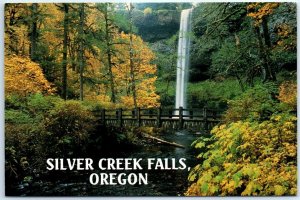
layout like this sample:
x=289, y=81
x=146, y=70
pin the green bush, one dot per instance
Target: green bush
x=37, y=127
x=257, y=103
x=212, y=94
x=67, y=126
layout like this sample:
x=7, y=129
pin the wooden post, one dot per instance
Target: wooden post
x=170, y=114
x=103, y=116
x=214, y=114
x=205, y=118
x=191, y=114
x=120, y=117
x=138, y=116
x=150, y=113
x=158, y=122
x=180, y=117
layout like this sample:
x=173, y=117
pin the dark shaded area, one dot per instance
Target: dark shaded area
x=76, y=183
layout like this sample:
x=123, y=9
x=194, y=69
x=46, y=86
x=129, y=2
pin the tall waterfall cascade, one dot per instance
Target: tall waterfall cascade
x=183, y=59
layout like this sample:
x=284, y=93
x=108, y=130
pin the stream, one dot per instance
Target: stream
x=160, y=182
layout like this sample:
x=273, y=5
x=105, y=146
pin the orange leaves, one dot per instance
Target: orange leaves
x=23, y=77
x=287, y=38
x=288, y=93
x=258, y=11
x=144, y=73
x=16, y=36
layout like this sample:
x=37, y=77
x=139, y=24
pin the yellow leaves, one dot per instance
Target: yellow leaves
x=291, y=150
x=288, y=93
x=252, y=158
x=258, y=11
x=16, y=37
x=200, y=145
x=251, y=188
x=230, y=187
x=144, y=73
x=193, y=190
x=284, y=30
x=24, y=77
x=279, y=190
x=287, y=38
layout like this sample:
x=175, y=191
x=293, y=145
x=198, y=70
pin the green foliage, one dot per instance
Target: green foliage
x=226, y=44
x=166, y=91
x=68, y=125
x=35, y=123
x=257, y=103
x=17, y=116
x=161, y=24
x=213, y=94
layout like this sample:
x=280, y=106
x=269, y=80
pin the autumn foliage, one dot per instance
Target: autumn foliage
x=249, y=156
x=258, y=11
x=144, y=71
x=288, y=94
x=24, y=77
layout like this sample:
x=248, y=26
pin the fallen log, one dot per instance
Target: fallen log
x=162, y=141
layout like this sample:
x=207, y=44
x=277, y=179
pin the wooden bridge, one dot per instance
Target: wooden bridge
x=203, y=119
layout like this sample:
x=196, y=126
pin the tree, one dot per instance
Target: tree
x=81, y=49
x=165, y=60
x=110, y=30
x=65, y=52
x=144, y=73
x=132, y=74
x=16, y=38
x=24, y=77
x=241, y=40
x=260, y=13
x=34, y=31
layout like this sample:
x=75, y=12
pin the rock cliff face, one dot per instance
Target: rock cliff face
x=160, y=25
x=155, y=26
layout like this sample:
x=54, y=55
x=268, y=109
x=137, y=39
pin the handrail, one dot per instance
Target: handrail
x=159, y=115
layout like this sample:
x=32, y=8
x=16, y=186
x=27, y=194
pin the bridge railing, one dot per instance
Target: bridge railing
x=158, y=116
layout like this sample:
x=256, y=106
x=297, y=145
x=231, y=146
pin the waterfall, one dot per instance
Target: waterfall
x=183, y=57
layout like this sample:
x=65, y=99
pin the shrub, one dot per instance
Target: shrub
x=212, y=94
x=288, y=94
x=67, y=126
x=248, y=158
x=37, y=127
x=254, y=153
x=22, y=134
x=23, y=77
x=256, y=103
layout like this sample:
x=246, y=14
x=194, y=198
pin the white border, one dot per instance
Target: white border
x=2, y=140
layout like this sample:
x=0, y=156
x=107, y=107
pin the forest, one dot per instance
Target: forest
x=66, y=61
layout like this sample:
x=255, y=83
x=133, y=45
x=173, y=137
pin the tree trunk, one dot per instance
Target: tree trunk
x=240, y=81
x=34, y=34
x=132, y=75
x=109, y=55
x=65, y=47
x=266, y=32
x=269, y=45
x=162, y=141
x=269, y=75
x=81, y=49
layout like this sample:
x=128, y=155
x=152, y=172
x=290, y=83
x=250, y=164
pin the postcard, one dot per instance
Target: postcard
x=150, y=99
